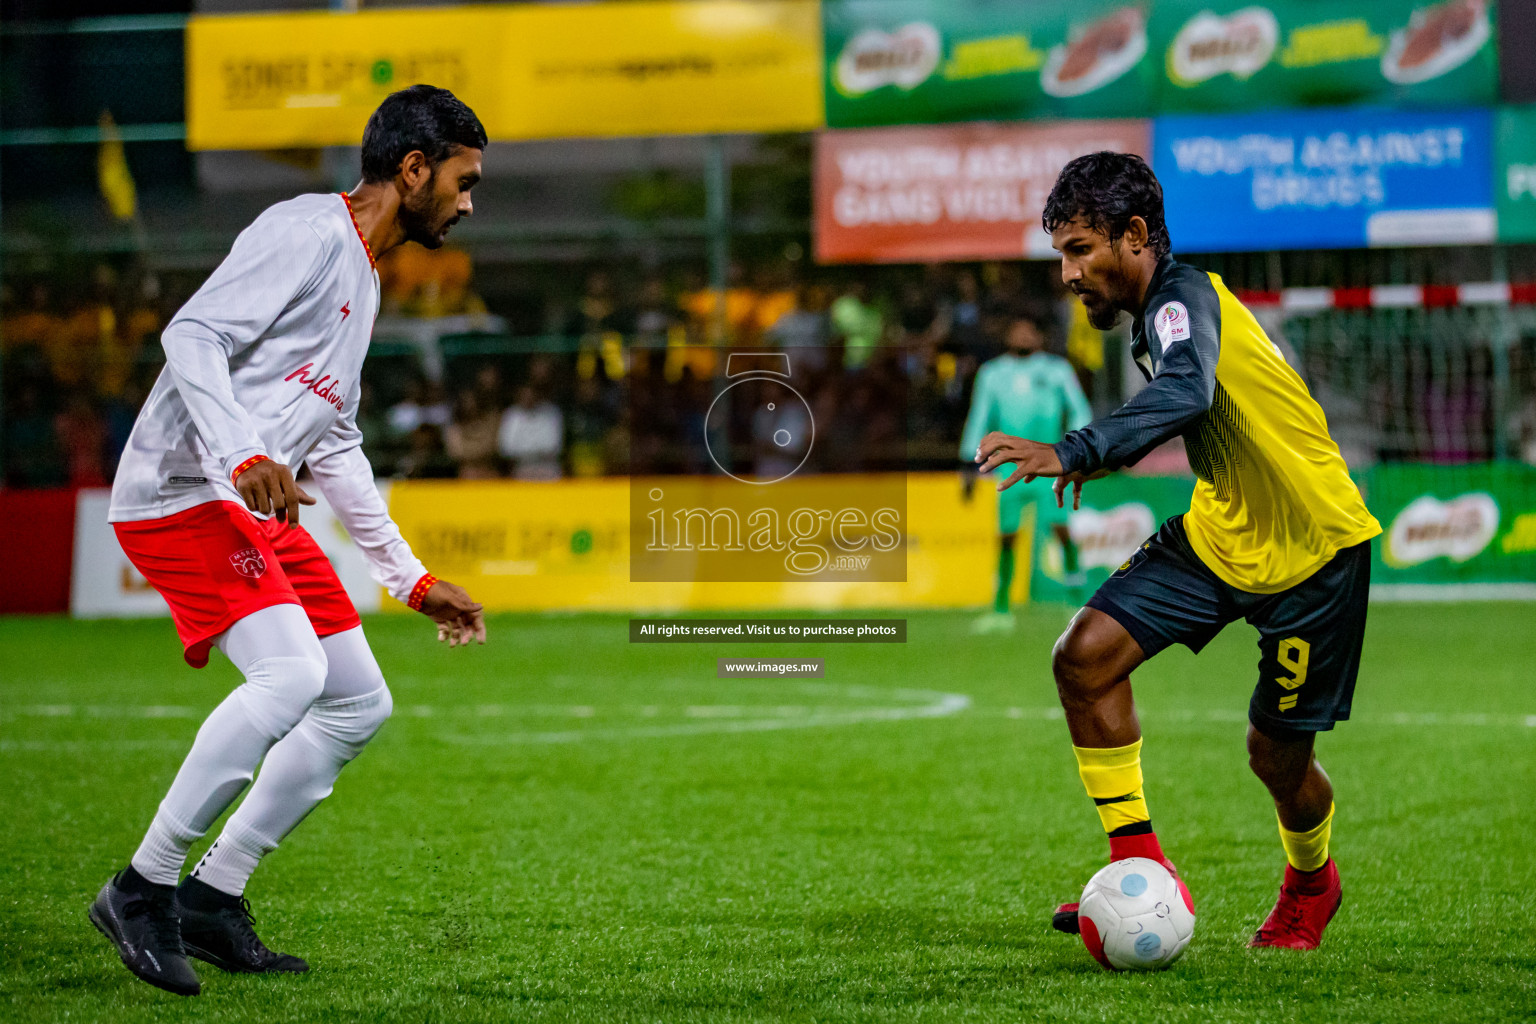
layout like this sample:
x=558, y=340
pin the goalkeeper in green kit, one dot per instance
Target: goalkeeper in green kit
x=1028, y=393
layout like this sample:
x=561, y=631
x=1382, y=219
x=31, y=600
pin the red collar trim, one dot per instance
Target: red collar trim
x=353, y=214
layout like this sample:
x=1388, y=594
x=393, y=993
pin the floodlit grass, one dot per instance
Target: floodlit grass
x=562, y=826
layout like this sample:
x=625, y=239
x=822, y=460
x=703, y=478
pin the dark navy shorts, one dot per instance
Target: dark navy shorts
x=1309, y=636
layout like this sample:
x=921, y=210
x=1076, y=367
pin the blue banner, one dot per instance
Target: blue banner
x=1326, y=179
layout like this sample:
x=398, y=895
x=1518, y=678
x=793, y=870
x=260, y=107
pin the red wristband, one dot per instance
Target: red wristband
x=419, y=592
x=247, y=464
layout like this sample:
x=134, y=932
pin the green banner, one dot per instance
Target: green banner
x=1514, y=182
x=1457, y=525
x=1232, y=55
x=1453, y=524
x=922, y=61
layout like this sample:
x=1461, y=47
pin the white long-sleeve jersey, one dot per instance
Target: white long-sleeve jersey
x=266, y=359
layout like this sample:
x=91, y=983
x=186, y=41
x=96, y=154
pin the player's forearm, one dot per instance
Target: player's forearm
x=1162, y=411
x=346, y=480
x=199, y=366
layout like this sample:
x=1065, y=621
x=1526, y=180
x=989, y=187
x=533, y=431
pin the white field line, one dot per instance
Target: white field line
x=703, y=718
x=727, y=719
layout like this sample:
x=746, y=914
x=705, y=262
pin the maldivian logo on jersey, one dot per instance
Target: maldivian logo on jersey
x=248, y=562
x=1458, y=529
x=1172, y=323
x=318, y=385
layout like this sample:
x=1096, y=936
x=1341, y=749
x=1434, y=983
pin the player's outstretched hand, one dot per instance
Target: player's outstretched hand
x=459, y=617
x=1060, y=487
x=268, y=488
x=1030, y=458
x=1076, y=480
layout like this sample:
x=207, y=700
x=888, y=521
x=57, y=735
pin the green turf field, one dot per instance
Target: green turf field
x=561, y=826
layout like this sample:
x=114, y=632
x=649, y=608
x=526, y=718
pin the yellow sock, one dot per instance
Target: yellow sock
x=1308, y=851
x=1112, y=776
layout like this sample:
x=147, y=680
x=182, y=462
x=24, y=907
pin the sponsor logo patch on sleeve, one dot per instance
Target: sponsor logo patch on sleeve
x=1172, y=323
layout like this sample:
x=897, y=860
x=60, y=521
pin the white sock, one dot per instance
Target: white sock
x=302, y=768
x=284, y=667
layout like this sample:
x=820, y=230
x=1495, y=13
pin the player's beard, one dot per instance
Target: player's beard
x=419, y=218
x=1102, y=313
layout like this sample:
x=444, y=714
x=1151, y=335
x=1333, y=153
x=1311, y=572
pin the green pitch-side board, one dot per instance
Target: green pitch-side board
x=1453, y=524
x=1514, y=183
x=921, y=61
x=1472, y=524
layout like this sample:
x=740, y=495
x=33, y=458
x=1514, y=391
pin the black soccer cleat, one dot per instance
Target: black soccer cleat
x=217, y=929
x=1065, y=919
x=140, y=920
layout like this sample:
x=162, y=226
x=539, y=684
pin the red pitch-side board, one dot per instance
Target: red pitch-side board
x=949, y=192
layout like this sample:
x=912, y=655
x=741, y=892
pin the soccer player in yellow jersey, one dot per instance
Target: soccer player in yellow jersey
x=1276, y=533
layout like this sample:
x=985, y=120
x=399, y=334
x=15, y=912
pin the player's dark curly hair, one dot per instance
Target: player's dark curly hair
x=1106, y=190
x=423, y=118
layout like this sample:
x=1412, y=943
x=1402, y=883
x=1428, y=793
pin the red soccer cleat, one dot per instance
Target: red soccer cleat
x=1307, y=903
x=1064, y=919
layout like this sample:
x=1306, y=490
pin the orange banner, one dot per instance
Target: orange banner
x=949, y=192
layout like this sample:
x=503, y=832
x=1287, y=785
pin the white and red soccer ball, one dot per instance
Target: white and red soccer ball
x=1133, y=918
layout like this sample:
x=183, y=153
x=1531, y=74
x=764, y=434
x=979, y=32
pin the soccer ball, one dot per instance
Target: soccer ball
x=1133, y=918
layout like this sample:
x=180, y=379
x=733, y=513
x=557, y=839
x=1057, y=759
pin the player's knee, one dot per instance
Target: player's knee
x=1281, y=766
x=279, y=691
x=371, y=712
x=1073, y=665
x=382, y=710
x=353, y=721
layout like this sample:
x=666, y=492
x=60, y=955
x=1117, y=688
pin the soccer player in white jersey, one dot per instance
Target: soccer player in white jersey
x=261, y=377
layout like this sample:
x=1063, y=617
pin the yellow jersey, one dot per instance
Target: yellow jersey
x=1274, y=500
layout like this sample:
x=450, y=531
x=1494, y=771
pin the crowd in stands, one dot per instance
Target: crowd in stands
x=74, y=374
x=624, y=378
x=633, y=373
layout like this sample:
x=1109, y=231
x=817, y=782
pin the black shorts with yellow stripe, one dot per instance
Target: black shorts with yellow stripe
x=1309, y=636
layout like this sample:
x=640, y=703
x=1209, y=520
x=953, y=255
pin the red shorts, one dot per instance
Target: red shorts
x=216, y=563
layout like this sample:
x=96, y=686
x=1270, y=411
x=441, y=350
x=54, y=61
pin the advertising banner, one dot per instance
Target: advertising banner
x=662, y=67
x=1326, y=179
x=566, y=545
x=1237, y=55
x=923, y=61
x=1514, y=177
x=1458, y=525
x=651, y=67
x=958, y=192
x=269, y=81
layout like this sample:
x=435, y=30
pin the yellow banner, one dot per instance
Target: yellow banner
x=651, y=67
x=667, y=67
x=565, y=546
